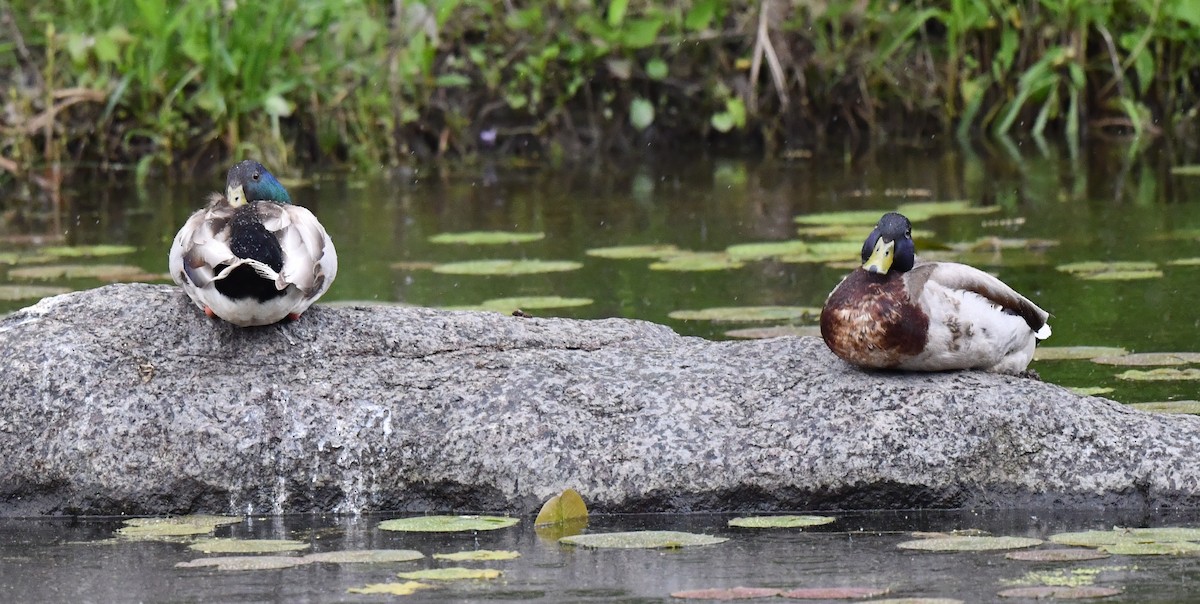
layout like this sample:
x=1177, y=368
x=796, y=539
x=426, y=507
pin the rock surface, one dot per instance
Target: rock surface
x=126, y=399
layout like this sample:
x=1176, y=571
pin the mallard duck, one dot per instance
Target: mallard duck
x=252, y=257
x=896, y=313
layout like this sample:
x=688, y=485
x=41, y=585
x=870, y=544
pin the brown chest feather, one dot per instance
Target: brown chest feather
x=870, y=321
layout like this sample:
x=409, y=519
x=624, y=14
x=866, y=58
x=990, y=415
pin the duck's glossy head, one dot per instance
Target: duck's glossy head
x=249, y=181
x=890, y=246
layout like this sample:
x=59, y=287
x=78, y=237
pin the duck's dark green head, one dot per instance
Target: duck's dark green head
x=889, y=246
x=249, y=181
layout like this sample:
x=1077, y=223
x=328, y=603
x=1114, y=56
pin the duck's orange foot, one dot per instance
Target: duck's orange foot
x=208, y=312
x=293, y=316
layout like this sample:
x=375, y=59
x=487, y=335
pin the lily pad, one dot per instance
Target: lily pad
x=1091, y=390
x=247, y=546
x=726, y=593
x=245, y=562
x=767, y=249
x=565, y=507
x=1100, y=266
x=102, y=272
x=969, y=543
x=479, y=555
x=87, y=251
x=1056, y=555
x=532, y=303
x=1184, y=262
x=777, y=331
x=1059, y=592
x=365, y=556
x=642, y=540
x=485, y=237
x=413, y=265
x=1188, y=407
x=852, y=217
x=174, y=526
x=696, y=261
x=1076, y=353
x=833, y=593
x=1149, y=359
x=1154, y=548
x=453, y=573
x=746, y=314
x=448, y=524
x=1186, y=170
x=922, y=210
x=506, y=267
x=406, y=588
x=1127, y=535
x=21, y=258
x=854, y=232
x=780, y=521
x=1122, y=275
x=10, y=293
x=634, y=252
x=1159, y=375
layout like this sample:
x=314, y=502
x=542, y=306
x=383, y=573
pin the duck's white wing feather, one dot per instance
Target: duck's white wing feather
x=200, y=245
x=310, y=262
x=955, y=276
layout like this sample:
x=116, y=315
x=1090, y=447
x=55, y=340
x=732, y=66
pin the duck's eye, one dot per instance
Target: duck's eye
x=255, y=177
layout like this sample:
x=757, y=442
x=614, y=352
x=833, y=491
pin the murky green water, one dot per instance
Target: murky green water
x=1109, y=205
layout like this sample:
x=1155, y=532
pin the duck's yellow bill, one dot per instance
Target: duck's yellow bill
x=236, y=196
x=881, y=257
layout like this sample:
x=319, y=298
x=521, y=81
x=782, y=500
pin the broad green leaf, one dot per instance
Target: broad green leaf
x=450, y=574
x=641, y=540
x=448, y=524
x=565, y=507
x=781, y=521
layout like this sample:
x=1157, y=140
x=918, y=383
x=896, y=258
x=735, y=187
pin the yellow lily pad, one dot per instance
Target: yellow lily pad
x=11, y=293
x=1149, y=359
x=247, y=546
x=365, y=556
x=969, y=543
x=244, y=562
x=696, y=261
x=506, y=267
x=565, y=507
x=767, y=249
x=747, y=314
x=780, y=521
x=634, y=252
x=1076, y=353
x=1090, y=390
x=406, y=588
x=1188, y=407
x=532, y=302
x=453, y=573
x=1160, y=375
x=642, y=540
x=448, y=524
x=485, y=237
x=479, y=555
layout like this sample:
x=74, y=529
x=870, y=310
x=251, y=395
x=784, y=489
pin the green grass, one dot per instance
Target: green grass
x=155, y=83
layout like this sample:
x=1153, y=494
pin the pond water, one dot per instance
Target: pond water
x=76, y=560
x=1107, y=204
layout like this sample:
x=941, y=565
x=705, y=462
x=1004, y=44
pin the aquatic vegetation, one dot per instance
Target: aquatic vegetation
x=969, y=543
x=247, y=546
x=479, y=555
x=506, y=267
x=727, y=593
x=1091, y=390
x=450, y=574
x=364, y=556
x=1149, y=359
x=766, y=249
x=102, y=272
x=1059, y=593
x=532, y=303
x=174, y=526
x=747, y=314
x=29, y=292
x=1158, y=375
x=244, y=562
x=1076, y=353
x=1136, y=541
x=1056, y=555
x=448, y=524
x=1112, y=271
x=781, y=521
x=1187, y=406
x=85, y=251
x=634, y=252
x=486, y=237
x=406, y=588
x=833, y=593
x=642, y=540
x=563, y=508
x=686, y=261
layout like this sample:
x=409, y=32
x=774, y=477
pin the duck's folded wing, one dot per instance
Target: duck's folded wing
x=309, y=260
x=967, y=278
x=199, y=247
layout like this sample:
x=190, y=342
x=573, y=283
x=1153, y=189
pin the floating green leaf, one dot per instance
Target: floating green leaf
x=1159, y=375
x=448, y=524
x=365, y=556
x=485, y=237
x=20, y=258
x=565, y=507
x=1127, y=535
x=1188, y=407
x=777, y=331
x=726, y=593
x=1186, y=170
x=413, y=265
x=642, y=540
x=747, y=314
x=851, y=217
x=245, y=562
x=969, y=543
x=453, y=573
x=1091, y=390
x=696, y=261
x=780, y=521
x=407, y=588
x=851, y=232
x=1184, y=262
x=1056, y=555
x=102, y=272
x=506, y=267
x=87, y=251
x=247, y=546
x=1154, y=548
x=479, y=555
x=634, y=252
x=833, y=593
x=505, y=305
x=922, y=210
x=1112, y=271
x=1150, y=359
x=174, y=526
x=1058, y=592
x=1122, y=275
x=1073, y=353
x=29, y=292
x=768, y=249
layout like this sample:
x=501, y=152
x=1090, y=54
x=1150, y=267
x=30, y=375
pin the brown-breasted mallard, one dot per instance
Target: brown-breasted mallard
x=895, y=313
x=252, y=257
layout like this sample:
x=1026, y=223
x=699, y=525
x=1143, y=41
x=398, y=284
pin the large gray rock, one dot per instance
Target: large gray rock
x=126, y=399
